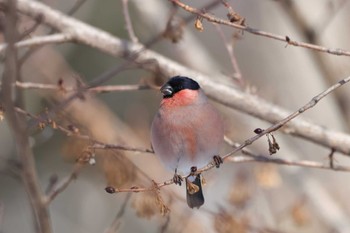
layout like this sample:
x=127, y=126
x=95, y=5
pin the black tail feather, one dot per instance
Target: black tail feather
x=195, y=199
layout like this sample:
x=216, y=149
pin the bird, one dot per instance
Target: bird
x=186, y=134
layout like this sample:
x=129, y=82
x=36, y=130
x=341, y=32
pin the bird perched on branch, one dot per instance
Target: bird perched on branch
x=186, y=134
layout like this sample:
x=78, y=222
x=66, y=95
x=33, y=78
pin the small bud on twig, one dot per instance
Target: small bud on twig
x=258, y=130
x=110, y=189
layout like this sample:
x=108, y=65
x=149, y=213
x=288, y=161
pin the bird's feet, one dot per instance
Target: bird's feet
x=193, y=171
x=177, y=179
x=217, y=160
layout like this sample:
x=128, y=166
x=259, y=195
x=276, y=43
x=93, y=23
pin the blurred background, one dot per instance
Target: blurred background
x=240, y=197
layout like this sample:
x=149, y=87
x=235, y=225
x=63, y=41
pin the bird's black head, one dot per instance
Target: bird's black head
x=176, y=84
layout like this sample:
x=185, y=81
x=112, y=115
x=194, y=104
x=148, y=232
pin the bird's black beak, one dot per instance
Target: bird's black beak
x=167, y=91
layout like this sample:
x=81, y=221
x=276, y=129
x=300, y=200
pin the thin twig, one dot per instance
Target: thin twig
x=312, y=35
x=237, y=71
x=213, y=19
x=116, y=222
x=41, y=41
x=165, y=226
x=253, y=157
x=284, y=121
x=95, y=144
x=60, y=187
x=76, y=7
x=98, y=89
x=128, y=23
x=30, y=30
x=99, y=145
x=38, y=19
x=244, y=159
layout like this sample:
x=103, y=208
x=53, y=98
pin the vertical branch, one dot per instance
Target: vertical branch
x=18, y=124
x=128, y=23
x=237, y=74
x=116, y=222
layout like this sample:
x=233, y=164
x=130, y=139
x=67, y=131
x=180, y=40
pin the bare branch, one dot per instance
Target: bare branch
x=99, y=145
x=237, y=71
x=116, y=222
x=33, y=49
x=254, y=157
x=249, y=156
x=213, y=19
x=76, y=133
x=41, y=40
x=76, y=6
x=224, y=94
x=128, y=23
x=99, y=89
x=18, y=125
x=284, y=121
x=59, y=188
x=28, y=31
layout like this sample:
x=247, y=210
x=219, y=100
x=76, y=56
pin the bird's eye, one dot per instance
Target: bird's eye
x=167, y=91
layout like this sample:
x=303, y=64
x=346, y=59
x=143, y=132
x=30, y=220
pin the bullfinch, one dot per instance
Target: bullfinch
x=186, y=134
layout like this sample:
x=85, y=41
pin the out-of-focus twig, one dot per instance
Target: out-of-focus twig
x=40, y=40
x=18, y=125
x=229, y=47
x=60, y=187
x=128, y=23
x=116, y=222
x=76, y=6
x=32, y=50
x=98, y=145
x=254, y=157
x=73, y=131
x=30, y=30
x=313, y=35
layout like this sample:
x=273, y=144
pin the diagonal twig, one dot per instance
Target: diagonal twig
x=213, y=19
x=248, y=142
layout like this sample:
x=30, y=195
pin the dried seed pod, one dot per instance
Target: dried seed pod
x=198, y=24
